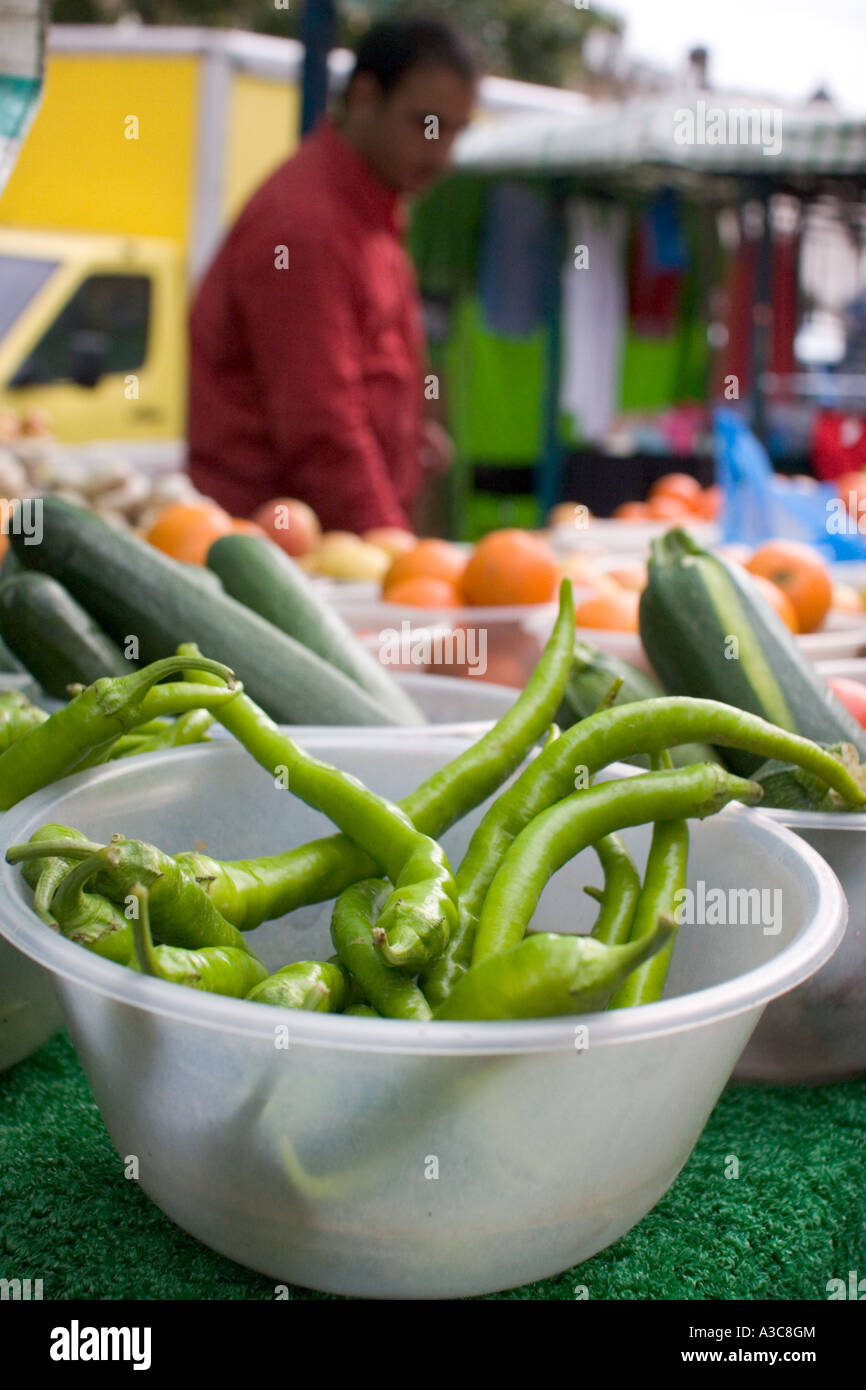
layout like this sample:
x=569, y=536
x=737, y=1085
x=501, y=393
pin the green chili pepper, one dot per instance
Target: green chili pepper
x=17, y=715
x=90, y=919
x=44, y=874
x=548, y=975
x=420, y=914
x=664, y=879
x=621, y=892
x=216, y=969
x=175, y=733
x=362, y=1011
x=97, y=717
x=563, y=830
x=644, y=726
x=307, y=984
x=183, y=913
x=353, y=920
x=249, y=892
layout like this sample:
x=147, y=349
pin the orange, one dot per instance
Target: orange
x=612, y=612
x=423, y=591
x=709, y=504
x=186, y=530
x=631, y=511
x=432, y=559
x=778, y=599
x=511, y=567
x=680, y=485
x=665, y=507
x=800, y=572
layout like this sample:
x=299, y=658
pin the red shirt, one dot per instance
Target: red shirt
x=307, y=381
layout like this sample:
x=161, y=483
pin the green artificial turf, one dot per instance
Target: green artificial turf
x=794, y=1218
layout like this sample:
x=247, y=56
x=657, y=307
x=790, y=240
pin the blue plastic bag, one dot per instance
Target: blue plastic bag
x=758, y=506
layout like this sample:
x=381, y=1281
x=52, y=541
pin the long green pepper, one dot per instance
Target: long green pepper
x=574, y=823
x=249, y=892
x=216, y=969
x=93, y=720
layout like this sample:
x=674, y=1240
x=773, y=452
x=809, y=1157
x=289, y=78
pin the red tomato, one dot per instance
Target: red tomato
x=853, y=696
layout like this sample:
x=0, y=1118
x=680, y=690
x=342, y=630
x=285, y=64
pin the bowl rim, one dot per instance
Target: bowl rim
x=72, y=966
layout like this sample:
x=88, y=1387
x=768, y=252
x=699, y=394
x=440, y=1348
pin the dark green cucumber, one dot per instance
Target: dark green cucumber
x=707, y=631
x=53, y=636
x=132, y=589
x=257, y=573
x=593, y=672
x=9, y=664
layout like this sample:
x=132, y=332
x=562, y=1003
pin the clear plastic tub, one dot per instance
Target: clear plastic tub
x=817, y=1033
x=392, y=1159
x=501, y=644
x=29, y=1014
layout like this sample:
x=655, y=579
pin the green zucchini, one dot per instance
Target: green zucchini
x=132, y=589
x=707, y=631
x=593, y=672
x=53, y=636
x=257, y=573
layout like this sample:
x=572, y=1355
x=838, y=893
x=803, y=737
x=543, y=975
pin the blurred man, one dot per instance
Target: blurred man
x=307, y=352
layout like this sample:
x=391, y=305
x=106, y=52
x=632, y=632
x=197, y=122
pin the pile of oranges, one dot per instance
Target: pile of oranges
x=677, y=498
x=186, y=530
x=506, y=567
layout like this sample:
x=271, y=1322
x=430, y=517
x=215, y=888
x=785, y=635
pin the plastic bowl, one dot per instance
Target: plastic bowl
x=501, y=645
x=392, y=1159
x=817, y=1033
x=29, y=1013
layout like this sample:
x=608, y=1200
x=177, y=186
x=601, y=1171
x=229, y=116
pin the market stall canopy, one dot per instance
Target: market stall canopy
x=704, y=135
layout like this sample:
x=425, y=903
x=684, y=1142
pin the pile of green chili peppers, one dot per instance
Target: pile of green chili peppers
x=414, y=938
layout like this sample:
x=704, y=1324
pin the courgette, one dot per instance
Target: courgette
x=257, y=573
x=592, y=674
x=708, y=632
x=57, y=641
x=132, y=589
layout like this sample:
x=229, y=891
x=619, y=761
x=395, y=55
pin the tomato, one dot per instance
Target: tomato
x=852, y=695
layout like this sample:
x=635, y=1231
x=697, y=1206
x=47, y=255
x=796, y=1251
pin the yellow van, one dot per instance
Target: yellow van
x=147, y=143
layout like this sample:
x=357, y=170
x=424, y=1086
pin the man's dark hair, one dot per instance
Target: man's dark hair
x=394, y=47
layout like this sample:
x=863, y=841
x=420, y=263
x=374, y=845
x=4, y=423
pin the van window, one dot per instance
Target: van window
x=108, y=315
x=20, y=278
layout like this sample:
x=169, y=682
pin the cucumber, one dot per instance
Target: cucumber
x=9, y=664
x=593, y=672
x=257, y=573
x=131, y=588
x=707, y=631
x=53, y=636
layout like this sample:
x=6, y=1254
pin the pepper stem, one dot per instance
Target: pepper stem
x=131, y=689
x=141, y=934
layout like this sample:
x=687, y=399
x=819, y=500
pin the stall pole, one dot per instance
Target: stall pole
x=318, y=34
x=549, y=479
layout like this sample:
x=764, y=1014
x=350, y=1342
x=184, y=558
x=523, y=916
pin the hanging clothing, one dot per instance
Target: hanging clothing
x=516, y=245
x=593, y=316
x=445, y=235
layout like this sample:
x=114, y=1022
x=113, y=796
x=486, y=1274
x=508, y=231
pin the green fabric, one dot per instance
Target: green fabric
x=445, y=235
x=495, y=390
x=792, y=1220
